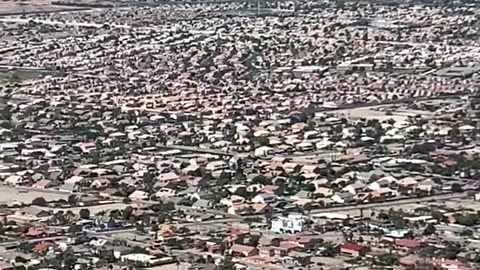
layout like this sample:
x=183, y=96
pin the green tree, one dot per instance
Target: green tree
x=149, y=181
x=140, y=227
x=310, y=187
x=127, y=213
x=228, y=263
x=84, y=213
x=429, y=230
x=456, y=187
x=72, y=199
x=329, y=250
x=242, y=191
x=388, y=259
x=40, y=201
x=138, y=249
x=260, y=141
x=308, y=207
x=466, y=232
x=14, y=79
x=468, y=219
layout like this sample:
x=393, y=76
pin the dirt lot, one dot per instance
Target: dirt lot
x=11, y=194
x=22, y=75
x=10, y=7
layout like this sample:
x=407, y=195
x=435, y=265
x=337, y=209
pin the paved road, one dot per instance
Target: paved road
x=199, y=150
x=249, y=264
x=68, y=23
x=400, y=201
x=393, y=203
x=219, y=222
x=63, y=237
x=36, y=240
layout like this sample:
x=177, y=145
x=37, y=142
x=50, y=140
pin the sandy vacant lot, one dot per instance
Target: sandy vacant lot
x=11, y=194
x=29, y=6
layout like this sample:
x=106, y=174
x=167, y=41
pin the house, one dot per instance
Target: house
x=383, y=193
x=74, y=179
x=382, y=183
x=242, y=250
x=7, y=266
x=86, y=147
x=260, y=208
x=191, y=191
x=244, y=208
x=302, y=194
x=319, y=182
x=410, y=260
x=291, y=167
x=342, y=197
x=263, y=151
x=43, y=247
x=35, y=232
x=323, y=192
x=311, y=169
x=407, y=182
x=14, y=180
x=43, y=184
x=352, y=249
x=264, y=198
x=138, y=195
x=191, y=169
x=165, y=193
x=86, y=200
x=255, y=187
x=300, y=258
x=31, y=213
x=168, y=177
x=305, y=241
x=216, y=165
x=272, y=251
x=109, y=192
x=288, y=246
x=305, y=146
x=4, y=212
x=100, y=183
x=406, y=243
x=67, y=187
x=204, y=266
x=426, y=185
x=446, y=264
x=233, y=200
x=355, y=187
x=201, y=204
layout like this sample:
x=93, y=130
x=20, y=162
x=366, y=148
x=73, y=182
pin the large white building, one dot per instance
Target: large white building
x=291, y=224
x=145, y=260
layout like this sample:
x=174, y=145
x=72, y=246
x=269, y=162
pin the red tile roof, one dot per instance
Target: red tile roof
x=442, y=261
x=352, y=246
x=34, y=232
x=42, y=246
x=408, y=243
x=241, y=248
x=288, y=245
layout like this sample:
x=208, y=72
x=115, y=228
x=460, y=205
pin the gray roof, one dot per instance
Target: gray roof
x=34, y=211
x=187, y=191
x=345, y=195
x=303, y=194
x=201, y=204
x=458, y=71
